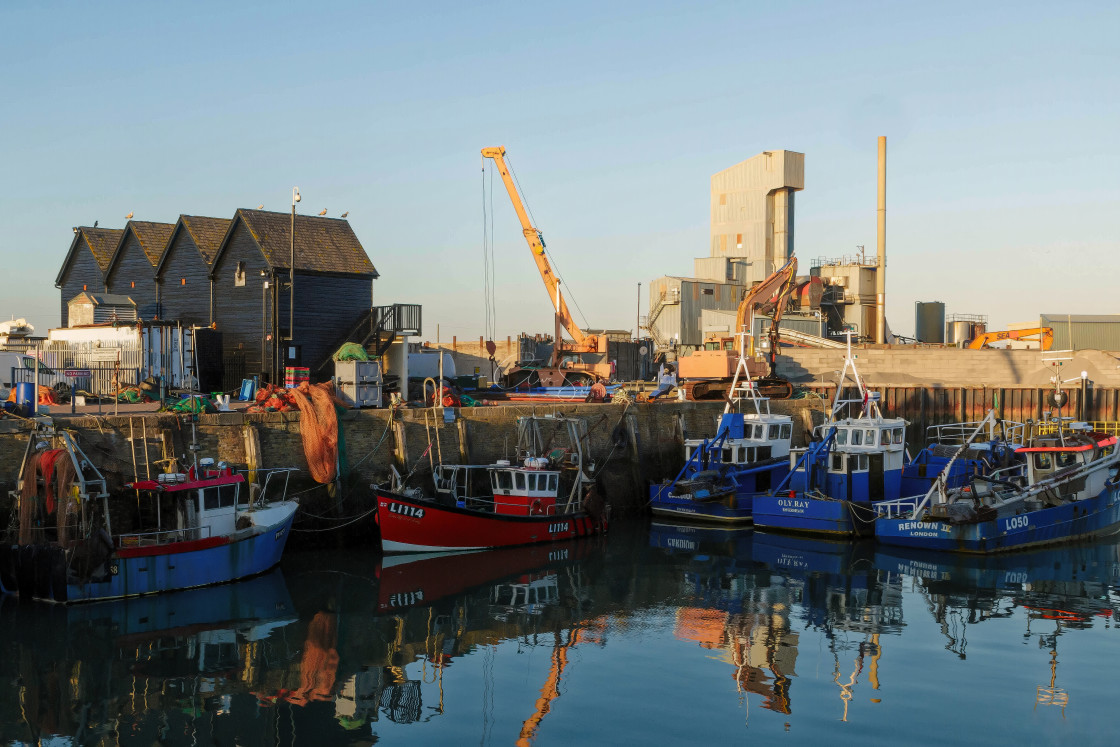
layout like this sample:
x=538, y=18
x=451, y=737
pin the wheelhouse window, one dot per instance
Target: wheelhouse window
x=837, y=464
x=897, y=435
x=774, y=431
x=1042, y=461
x=519, y=480
x=552, y=483
x=502, y=480
x=857, y=438
x=841, y=436
x=870, y=437
x=884, y=437
x=787, y=431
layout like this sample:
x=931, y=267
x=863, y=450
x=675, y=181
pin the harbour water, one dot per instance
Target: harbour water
x=651, y=635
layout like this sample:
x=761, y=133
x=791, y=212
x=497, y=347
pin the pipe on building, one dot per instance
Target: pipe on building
x=881, y=256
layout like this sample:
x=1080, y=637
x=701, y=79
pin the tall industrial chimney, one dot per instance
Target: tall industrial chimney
x=881, y=255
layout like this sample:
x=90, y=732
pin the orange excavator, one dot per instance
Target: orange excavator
x=709, y=374
x=1045, y=337
x=566, y=366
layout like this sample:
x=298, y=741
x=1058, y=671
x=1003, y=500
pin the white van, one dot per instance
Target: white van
x=47, y=376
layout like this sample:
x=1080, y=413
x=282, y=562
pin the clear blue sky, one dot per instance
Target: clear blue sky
x=1002, y=125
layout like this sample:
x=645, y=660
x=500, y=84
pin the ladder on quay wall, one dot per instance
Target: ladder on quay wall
x=146, y=461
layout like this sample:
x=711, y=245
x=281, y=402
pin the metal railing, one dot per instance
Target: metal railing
x=163, y=537
x=1111, y=427
x=957, y=433
x=104, y=379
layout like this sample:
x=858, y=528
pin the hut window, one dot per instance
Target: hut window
x=239, y=275
x=709, y=292
x=182, y=281
x=85, y=287
x=133, y=283
x=738, y=241
x=723, y=199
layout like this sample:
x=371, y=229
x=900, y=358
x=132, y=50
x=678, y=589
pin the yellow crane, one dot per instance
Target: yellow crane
x=562, y=369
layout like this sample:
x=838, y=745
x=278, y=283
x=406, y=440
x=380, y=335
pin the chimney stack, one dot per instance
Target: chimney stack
x=881, y=255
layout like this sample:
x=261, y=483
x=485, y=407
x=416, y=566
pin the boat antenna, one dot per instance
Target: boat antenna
x=194, y=447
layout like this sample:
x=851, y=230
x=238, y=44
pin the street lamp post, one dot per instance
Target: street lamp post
x=292, y=274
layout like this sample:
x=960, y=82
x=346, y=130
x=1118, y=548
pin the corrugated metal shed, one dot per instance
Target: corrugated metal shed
x=1084, y=331
x=676, y=305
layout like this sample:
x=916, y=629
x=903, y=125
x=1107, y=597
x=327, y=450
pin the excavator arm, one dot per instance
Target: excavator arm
x=773, y=289
x=582, y=343
x=1045, y=336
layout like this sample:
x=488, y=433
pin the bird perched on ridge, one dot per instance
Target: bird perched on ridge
x=260, y=207
x=346, y=213
x=95, y=224
x=323, y=211
x=129, y=216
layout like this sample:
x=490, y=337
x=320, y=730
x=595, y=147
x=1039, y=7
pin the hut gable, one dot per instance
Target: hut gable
x=132, y=270
x=183, y=273
x=323, y=245
x=85, y=264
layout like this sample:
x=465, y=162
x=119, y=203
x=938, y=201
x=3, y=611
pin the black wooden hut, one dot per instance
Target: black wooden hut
x=84, y=268
x=333, y=289
x=183, y=273
x=132, y=270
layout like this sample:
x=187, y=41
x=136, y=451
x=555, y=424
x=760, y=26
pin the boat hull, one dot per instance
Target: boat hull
x=737, y=510
x=1066, y=523
x=419, y=525
x=803, y=514
x=40, y=571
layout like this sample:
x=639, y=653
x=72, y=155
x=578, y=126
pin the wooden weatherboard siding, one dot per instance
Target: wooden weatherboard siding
x=83, y=274
x=184, y=279
x=238, y=309
x=83, y=270
x=327, y=306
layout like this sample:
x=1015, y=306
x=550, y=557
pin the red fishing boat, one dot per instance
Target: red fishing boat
x=536, y=499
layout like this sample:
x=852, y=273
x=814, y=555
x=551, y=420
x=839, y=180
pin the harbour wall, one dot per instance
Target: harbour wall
x=630, y=444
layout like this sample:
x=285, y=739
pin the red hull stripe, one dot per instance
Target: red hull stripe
x=174, y=547
x=425, y=524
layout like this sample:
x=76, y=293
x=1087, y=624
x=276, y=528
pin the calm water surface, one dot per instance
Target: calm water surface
x=653, y=635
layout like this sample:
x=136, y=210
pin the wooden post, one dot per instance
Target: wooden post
x=454, y=342
x=464, y=442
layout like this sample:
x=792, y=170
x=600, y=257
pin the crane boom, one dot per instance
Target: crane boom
x=583, y=343
x=1045, y=336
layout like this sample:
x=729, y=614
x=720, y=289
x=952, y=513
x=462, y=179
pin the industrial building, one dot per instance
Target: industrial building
x=752, y=235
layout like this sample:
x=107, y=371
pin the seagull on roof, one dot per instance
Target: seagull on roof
x=129, y=216
x=95, y=224
x=323, y=211
x=260, y=207
x=346, y=213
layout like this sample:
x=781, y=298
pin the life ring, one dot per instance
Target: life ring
x=535, y=508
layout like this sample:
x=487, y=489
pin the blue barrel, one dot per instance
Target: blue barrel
x=25, y=397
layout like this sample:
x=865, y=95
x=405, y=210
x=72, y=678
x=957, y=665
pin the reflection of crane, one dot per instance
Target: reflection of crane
x=573, y=371
x=550, y=691
x=1045, y=337
x=709, y=374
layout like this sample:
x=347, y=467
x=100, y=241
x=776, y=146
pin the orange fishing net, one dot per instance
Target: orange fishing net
x=318, y=422
x=46, y=395
x=57, y=472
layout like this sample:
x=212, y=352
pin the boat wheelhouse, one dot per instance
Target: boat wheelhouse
x=721, y=476
x=533, y=499
x=203, y=530
x=1070, y=489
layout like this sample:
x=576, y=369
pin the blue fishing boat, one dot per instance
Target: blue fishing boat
x=854, y=459
x=1070, y=490
x=748, y=455
x=204, y=529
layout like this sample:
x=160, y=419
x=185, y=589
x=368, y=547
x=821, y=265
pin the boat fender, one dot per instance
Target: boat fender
x=535, y=508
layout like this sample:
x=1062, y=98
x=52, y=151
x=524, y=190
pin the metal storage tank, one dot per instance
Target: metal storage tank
x=929, y=321
x=961, y=328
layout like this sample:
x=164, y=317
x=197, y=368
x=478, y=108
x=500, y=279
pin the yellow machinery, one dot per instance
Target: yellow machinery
x=1045, y=336
x=566, y=366
x=708, y=374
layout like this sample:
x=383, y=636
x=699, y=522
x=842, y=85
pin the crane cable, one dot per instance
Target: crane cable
x=552, y=259
x=490, y=309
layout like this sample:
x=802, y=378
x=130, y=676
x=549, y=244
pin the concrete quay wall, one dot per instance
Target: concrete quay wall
x=949, y=367
x=631, y=445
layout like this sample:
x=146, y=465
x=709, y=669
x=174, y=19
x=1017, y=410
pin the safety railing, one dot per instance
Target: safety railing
x=162, y=537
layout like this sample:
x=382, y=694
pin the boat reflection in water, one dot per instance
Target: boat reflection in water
x=139, y=667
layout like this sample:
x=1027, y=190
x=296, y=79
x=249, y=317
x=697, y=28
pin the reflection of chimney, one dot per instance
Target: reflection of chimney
x=881, y=257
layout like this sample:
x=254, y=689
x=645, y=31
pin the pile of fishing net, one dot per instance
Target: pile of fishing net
x=46, y=395
x=318, y=422
x=57, y=472
x=196, y=404
x=133, y=394
x=351, y=351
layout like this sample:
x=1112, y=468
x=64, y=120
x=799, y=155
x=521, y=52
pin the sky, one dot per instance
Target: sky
x=1001, y=121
